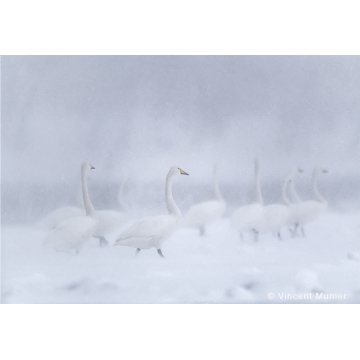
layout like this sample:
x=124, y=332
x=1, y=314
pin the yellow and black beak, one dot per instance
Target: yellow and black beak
x=182, y=172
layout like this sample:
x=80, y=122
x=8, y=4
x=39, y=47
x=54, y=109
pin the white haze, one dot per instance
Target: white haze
x=139, y=115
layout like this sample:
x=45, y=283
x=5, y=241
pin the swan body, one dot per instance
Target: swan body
x=153, y=231
x=56, y=216
x=200, y=215
x=149, y=233
x=111, y=220
x=273, y=218
x=276, y=216
x=246, y=218
x=304, y=212
x=72, y=233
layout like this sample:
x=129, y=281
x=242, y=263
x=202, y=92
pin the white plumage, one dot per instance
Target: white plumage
x=153, y=231
x=246, y=218
x=274, y=216
x=72, y=233
x=55, y=217
x=304, y=212
x=111, y=220
x=200, y=215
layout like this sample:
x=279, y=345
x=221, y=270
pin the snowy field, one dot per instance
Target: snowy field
x=323, y=267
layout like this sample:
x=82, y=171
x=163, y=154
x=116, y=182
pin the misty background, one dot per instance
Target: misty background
x=139, y=115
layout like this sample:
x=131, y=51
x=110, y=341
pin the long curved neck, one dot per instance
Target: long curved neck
x=87, y=203
x=170, y=202
x=285, y=199
x=79, y=200
x=258, y=195
x=317, y=195
x=294, y=193
x=120, y=196
x=288, y=179
x=217, y=191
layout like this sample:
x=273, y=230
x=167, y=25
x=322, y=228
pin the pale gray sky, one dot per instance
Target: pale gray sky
x=143, y=114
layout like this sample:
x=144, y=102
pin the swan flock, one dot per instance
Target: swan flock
x=70, y=227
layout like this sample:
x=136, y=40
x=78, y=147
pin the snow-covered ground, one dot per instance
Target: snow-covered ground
x=323, y=267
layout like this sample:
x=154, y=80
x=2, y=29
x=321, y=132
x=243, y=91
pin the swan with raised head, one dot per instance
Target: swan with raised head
x=200, y=215
x=153, y=231
x=246, y=218
x=55, y=217
x=275, y=216
x=304, y=212
x=72, y=233
x=111, y=220
x=289, y=184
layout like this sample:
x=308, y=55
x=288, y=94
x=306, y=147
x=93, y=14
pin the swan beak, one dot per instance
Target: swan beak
x=182, y=172
x=91, y=167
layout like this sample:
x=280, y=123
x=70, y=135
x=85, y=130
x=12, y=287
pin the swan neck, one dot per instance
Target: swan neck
x=79, y=200
x=294, y=193
x=170, y=202
x=288, y=179
x=123, y=207
x=284, y=196
x=317, y=194
x=217, y=191
x=87, y=202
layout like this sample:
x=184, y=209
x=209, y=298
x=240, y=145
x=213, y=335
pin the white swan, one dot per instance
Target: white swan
x=72, y=233
x=111, y=220
x=204, y=213
x=289, y=183
x=55, y=217
x=153, y=231
x=275, y=216
x=304, y=212
x=246, y=218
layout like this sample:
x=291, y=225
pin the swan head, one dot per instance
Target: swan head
x=292, y=171
x=321, y=170
x=175, y=170
x=86, y=166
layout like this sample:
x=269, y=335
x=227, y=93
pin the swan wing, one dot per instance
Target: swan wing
x=80, y=227
x=56, y=216
x=145, y=233
x=203, y=213
x=247, y=217
x=109, y=221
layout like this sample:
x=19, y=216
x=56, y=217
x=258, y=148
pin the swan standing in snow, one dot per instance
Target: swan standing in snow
x=204, y=213
x=72, y=233
x=55, y=217
x=153, y=231
x=246, y=218
x=111, y=220
x=304, y=212
x=274, y=216
x=289, y=183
